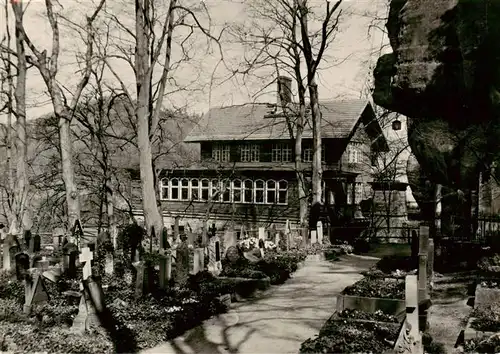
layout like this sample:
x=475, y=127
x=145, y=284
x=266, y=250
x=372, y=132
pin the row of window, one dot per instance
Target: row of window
x=281, y=152
x=226, y=191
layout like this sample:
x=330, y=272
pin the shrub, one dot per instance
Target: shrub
x=11, y=288
x=389, y=264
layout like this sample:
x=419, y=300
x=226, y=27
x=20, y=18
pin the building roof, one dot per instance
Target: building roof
x=253, y=122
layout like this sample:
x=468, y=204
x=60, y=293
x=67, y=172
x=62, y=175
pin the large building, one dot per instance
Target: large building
x=246, y=175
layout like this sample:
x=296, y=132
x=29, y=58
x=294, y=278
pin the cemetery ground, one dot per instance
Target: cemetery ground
x=242, y=296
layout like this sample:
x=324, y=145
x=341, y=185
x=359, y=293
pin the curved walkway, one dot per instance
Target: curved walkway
x=278, y=321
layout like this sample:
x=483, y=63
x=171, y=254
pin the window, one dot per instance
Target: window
x=352, y=155
x=248, y=191
x=307, y=154
x=174, y=189
x=164, y=189
x=281, y=153
x=270, y=192
x=215, y=188
x=259, y=191
x=226, y=190
x=221, y=152
x=237, y=196
x=184, y=189
x=250, y=153
x=359, y=192
x=195, y=189
x=282, y=192
x=205, y=187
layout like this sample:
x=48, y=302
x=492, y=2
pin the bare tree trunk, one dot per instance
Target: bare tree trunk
x=298, y=167
x=317, y=173
x=22, y=183
x=68, y=171
x=112, y=228
x=143, y=73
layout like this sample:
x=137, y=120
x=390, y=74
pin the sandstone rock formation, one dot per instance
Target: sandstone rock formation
x=444, y=74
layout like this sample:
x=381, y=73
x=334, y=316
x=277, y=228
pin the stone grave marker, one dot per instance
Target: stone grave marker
x=233, y=254
x=277, y=239
x=262, y=247
x=230, y=240
x=140, y=279
x=198, y=260
x=314, y=237
x=70, y=254
x=57, y=236
x=34, y=290
x=22, y=265
x=109, y=264
x=86, y=256
x=165, y=268
x=182, y=262
x=42, y=264
x=91, y=297
x=191, y=238
x=430, y=260
x=423, y=285
x=214, y=256
x=8, y=243
x=319, y=230
x=35, y=244
x=53, y=274
x=262, y=233
x=27, y=237
x=410, y=338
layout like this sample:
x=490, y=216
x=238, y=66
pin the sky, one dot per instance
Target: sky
x=204, y=77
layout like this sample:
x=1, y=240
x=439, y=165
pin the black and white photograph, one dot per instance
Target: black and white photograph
x=250, y=176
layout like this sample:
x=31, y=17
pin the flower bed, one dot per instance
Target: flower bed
x=277, y=266
x=379, y=316
x=341, y=336
x=485, y=344
x=377, y=288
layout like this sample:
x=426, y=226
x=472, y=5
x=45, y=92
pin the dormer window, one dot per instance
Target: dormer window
x=221, y=152
x=250, y=153
x=281, y=153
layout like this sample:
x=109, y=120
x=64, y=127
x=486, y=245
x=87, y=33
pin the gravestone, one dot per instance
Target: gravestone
x=92, y=297
x=22, y=265
x=140, y=279
x=423, y=285
x=410, y=338
x=198, y=260
x=262, y=247
x=86, y=257
x=314, y=238
x=165, y=268
x=8, y=243
x=53, y=274
x=214, y=256
x=77, y=233
x=182, y=262
x=230, y=240
x=109, y=264
x=191, y=238
x=262, y=233
x=27, y=238
x=277, y=240
x=57, y=236
x=35, y=291
x=430, y=260
x=35, y=244
x=319, y=230
x=233, y=254
x=70, y=254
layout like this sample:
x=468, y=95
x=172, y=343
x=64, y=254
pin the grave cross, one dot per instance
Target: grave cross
x=86, y=256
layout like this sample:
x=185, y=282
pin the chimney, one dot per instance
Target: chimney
x=284, y=91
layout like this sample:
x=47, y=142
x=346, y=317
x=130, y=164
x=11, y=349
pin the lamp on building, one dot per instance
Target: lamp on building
x=396, y=124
